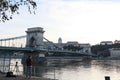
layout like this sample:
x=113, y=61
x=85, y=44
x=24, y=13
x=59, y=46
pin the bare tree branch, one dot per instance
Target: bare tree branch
x=9, y=7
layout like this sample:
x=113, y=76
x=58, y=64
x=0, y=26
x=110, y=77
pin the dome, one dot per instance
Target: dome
x=60, y=40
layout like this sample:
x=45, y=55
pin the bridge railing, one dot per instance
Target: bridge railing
x=19, y=41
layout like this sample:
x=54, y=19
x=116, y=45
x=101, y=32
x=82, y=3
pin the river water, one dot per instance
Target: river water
x=74, y=70
x=90, y=70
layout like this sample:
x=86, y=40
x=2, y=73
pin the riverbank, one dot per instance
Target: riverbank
x=23, y=78
x=107, y=58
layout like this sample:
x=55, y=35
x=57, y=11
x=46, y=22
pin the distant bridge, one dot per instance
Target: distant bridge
x=6, y=46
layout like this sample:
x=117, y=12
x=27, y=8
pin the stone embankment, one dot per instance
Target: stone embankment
x=23, y=78
x=3, y=77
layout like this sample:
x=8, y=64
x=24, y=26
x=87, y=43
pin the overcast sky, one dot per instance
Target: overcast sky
x=85, y=21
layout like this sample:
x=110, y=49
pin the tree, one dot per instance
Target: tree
x=73, y=48
x=10, y=7
x=100, y=48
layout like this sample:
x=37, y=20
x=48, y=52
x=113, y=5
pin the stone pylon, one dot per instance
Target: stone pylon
x=35, y=37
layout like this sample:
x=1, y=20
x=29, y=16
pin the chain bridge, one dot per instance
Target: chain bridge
x=36, y=45
x=34, y=42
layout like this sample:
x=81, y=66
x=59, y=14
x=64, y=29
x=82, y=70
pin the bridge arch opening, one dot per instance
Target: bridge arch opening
x=32, y=42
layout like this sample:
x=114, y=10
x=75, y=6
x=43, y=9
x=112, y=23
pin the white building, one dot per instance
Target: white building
x=114, y=52
x=117, y=41
x=106, y=43
x=74, y=43
x=85, y=45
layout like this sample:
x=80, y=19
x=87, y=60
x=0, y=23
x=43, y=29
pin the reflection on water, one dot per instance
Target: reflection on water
x=76, y=70
x=4, y=65
x=15, y=70
x=88, y=70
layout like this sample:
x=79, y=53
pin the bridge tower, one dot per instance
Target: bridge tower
x=35, y=37
x=34, y=40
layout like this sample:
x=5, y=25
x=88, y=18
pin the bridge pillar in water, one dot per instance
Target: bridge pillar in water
x=35, y=40
x=35, y=37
